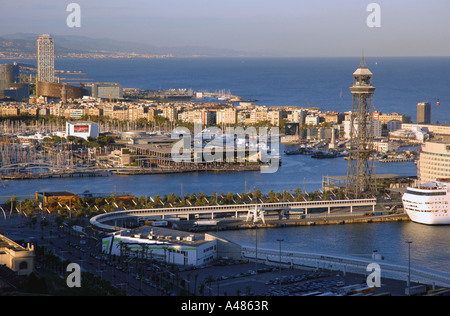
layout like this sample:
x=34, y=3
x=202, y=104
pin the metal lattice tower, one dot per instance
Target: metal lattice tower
x=361, y=167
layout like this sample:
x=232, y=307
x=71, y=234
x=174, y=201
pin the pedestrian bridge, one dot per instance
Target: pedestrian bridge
x=255, y=210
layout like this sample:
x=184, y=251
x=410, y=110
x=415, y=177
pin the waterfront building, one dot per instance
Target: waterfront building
x=105, y=90
x=436, y=130
x=423, y=113
x=434, y=162
x=45, y=59
x=48, y=198
x=10, y=86
x=385, y=118
x=175, y=247
x=411, y=134
x=16, y=257
x=82, y=129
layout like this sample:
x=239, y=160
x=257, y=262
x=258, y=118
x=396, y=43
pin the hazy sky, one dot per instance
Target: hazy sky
x=284, y=27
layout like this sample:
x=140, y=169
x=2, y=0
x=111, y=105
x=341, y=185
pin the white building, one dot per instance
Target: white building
x=313, y=120
x=172, y=246
x=376, y=128
x=412, y=133
x=384, y=146
x=82, y=129
x=297, y=116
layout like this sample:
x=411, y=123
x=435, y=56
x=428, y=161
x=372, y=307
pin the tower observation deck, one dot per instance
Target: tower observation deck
x=361, y=168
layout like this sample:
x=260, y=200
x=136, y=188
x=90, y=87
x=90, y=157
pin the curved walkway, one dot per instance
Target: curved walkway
x=348, y=264
x=100, y=220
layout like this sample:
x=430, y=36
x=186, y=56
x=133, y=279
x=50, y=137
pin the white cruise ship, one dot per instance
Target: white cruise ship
x=428, y=203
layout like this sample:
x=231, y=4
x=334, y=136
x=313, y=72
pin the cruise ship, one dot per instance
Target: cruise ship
x=428, y=203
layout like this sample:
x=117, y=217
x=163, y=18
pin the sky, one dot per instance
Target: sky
x=287, y=28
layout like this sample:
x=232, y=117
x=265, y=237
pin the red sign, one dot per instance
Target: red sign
x=81, y=129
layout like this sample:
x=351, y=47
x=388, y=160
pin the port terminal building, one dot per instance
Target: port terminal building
x=168, y=245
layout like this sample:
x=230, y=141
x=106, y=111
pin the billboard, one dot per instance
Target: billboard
x=81, y=129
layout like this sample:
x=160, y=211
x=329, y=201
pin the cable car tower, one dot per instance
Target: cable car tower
x=361, y=165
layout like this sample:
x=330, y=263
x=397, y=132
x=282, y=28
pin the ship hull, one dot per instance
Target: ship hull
x=430, y=218
x=428, y=203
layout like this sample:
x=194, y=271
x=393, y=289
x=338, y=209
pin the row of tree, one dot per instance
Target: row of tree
x=88, y=207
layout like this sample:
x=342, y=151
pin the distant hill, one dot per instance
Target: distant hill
x=25, y=44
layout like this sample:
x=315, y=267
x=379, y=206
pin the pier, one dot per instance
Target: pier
x=61, y=174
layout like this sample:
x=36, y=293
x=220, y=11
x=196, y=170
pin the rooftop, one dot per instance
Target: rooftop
x=8, y=243
x=58, y=193
x=166, y=234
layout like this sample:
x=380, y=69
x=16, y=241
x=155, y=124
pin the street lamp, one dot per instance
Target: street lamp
x=280, y=241
x=256, y=247
x=409, y=263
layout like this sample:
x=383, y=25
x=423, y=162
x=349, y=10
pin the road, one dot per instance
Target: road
x=65, y=243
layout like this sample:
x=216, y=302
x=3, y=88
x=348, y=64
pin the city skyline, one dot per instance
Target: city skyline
x=270, y=28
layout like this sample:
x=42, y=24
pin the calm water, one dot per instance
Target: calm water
x=429, y=246
x=295, y=172
x=401, y=83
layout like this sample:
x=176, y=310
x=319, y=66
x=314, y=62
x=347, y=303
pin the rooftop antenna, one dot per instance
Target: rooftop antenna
x=363, y=61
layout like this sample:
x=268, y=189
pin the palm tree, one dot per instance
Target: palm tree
x=209, y=280
x=195, y=284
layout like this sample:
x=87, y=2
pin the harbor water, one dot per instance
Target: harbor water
x=401, y=83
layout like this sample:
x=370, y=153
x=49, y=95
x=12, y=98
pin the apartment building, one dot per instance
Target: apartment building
x=434, y=161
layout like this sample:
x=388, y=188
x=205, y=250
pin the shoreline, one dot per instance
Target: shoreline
x=126, y=172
